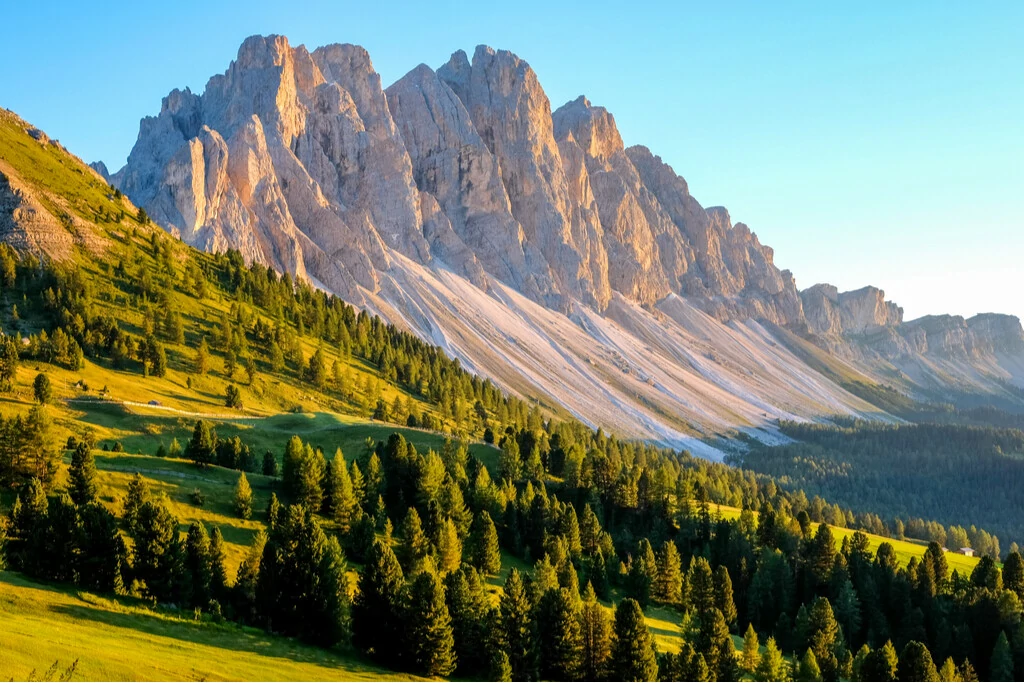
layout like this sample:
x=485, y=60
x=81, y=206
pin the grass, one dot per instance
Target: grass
x=122, y=640
x=905, y=549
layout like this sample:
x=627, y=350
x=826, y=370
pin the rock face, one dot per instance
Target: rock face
x=303, y=161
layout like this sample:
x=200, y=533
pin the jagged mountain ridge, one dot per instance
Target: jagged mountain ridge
x=395, y=198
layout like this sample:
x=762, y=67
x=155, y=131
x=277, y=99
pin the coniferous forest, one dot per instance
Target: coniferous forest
x=541, y=563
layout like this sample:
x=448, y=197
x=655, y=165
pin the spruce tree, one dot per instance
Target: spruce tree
x=482, y=546
x=82, y=476
x=560, y=642
x=243, y=497
x=60, y=541
x=378, y=613
x=632, y=656
x=916, y=664
x=515, y=627
x=429, y=636
x=341, y=505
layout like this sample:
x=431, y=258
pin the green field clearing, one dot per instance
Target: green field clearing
x=905, y=549
x=121, y=640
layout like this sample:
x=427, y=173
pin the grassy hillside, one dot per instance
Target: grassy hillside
x=122, y=640
x=905, y=549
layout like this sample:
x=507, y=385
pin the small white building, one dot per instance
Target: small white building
x=969, y=552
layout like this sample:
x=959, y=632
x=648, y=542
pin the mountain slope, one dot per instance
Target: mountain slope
x=457, y=194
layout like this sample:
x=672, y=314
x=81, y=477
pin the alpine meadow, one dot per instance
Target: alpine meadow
x=341, y=380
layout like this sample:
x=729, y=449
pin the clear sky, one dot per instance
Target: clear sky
x=867, y=142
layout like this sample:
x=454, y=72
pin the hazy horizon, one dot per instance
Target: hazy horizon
x=878, y=148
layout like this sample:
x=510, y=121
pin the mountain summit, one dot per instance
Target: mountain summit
x=531, y=244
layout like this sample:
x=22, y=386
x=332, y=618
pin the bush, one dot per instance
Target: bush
x=198, y=498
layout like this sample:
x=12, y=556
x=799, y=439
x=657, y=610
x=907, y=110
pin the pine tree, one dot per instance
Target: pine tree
x=1001, y=666
x=82, y=476
x=772, y=666
x=515, y=627
x=137, y=495
x=632, y=657
x=430, y=638
x=243, y=497
x=916, y=664
x=378, y=613
x=751, y=650
x=62, y=534
x=807, y=668
x=558, y=636
x=483, y=548
x=273, y=511
x=596, y=633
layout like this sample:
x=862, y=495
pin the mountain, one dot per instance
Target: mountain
x=534, y=246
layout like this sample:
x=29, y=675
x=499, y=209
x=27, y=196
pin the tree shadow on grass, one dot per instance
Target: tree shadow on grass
x=225, y=635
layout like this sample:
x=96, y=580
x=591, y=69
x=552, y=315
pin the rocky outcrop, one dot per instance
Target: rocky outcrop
x=100, y=168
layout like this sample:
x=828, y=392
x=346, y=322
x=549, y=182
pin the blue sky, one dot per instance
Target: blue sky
x=868, y=143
